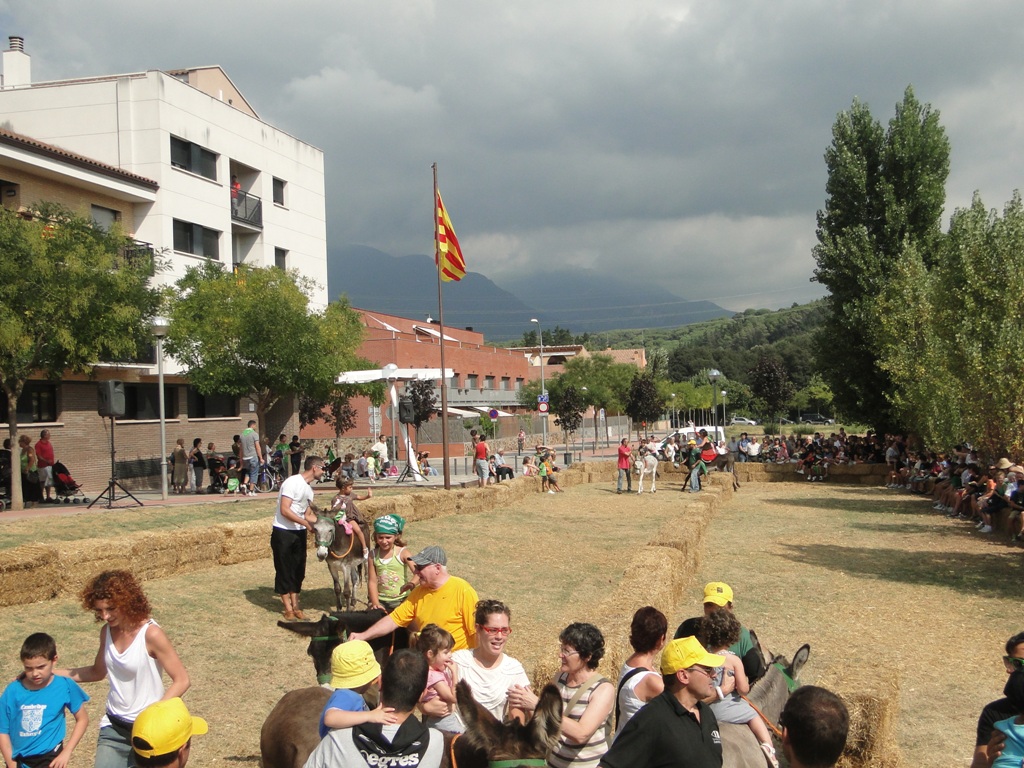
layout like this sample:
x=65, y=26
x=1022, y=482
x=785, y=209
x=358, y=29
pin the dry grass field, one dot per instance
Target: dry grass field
x=882, y=589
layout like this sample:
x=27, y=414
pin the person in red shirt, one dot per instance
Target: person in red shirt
x=480, y=456
x=44, y=455
x=625, y=470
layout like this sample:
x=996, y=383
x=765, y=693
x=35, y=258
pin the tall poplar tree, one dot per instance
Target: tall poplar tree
x=884, y=195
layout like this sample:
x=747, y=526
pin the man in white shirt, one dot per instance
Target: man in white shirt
x=381, y=449
x=295, y=517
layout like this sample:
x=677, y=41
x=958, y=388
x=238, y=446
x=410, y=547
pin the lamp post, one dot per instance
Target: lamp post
x=160, y=326
x=724, y=420
x=543, y=391
x=673, y=424
x=713, y=376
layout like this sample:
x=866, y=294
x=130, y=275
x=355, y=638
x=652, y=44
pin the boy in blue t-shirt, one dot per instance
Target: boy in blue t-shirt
x=32, y=726
x=353, y=670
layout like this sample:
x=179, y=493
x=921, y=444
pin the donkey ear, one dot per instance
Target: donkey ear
x=547, y=719
x=477, y=718
x=304, y=628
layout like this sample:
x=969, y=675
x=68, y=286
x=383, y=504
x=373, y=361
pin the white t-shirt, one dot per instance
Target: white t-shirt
x=381, y=448
x=301, y=493
x=490, y=686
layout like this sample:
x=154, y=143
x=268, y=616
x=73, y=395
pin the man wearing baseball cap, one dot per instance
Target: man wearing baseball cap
x=440, y=598
x=718, y=596
x=162, y=734
x=675, y=728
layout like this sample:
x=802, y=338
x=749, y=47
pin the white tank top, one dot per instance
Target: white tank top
x=136, y=679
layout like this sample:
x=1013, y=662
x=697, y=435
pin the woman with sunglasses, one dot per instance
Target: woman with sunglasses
x=489, y=671
x=587, y=696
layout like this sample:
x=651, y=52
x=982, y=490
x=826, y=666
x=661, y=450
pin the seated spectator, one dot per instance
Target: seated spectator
x=754, y=450
x=503, y=470
x=1000, y=709
x=529, y=468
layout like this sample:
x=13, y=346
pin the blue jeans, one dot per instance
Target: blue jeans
x=113, y=750
x=695, y=478
x=629, y=480
x=254, y=470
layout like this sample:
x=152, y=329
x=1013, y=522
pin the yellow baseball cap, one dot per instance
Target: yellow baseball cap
x=687, y=652
x=165, y=727
x=353, y=665
x=718, y=592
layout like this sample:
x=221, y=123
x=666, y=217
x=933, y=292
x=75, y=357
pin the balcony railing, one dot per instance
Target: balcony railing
x=139, y=250
x=246, y=208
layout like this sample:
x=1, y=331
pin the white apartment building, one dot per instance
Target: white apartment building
x=157, y=151
x=192, y=132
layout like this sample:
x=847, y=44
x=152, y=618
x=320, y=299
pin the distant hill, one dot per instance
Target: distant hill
x=579, y=300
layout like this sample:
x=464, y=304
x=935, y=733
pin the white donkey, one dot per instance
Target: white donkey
x=647, y=464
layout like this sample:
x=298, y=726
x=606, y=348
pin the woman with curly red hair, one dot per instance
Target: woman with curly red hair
x=134, y=652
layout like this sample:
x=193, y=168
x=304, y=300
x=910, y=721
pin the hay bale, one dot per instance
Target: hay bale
x=156, y=555
x=79, y=561
x=28, y=574
x=874, y=704
x=243, y=541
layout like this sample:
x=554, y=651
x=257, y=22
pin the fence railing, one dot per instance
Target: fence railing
x=247, y=208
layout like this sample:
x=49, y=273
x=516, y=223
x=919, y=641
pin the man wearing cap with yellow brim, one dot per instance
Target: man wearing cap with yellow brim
x=675, y=728
x=718, y=596
x=162, y=734
x=440, y=598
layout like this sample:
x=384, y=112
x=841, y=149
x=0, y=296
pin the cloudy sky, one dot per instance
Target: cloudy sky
x=675, y=140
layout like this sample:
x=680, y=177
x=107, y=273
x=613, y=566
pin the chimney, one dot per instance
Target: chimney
x=17, y=65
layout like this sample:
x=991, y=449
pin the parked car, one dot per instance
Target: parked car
x=784, y=420
x=742, y=420
x=815, y=418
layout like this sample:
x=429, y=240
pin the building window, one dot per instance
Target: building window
x=142, y=402
x=455, y=381
x=504, y=383
x=38, y=403
x=279, y=185
x=471, y=381
x=193, y=158
x=519, y=384
x=105, y=218
x=202, y=406
x=196, y=239
x=488, y=382
x=281, y=258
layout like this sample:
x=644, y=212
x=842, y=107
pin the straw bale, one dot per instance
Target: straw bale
x=873, y=703
x=243, y=541
x=156, y=555
x=79, y=561
x=28, y=574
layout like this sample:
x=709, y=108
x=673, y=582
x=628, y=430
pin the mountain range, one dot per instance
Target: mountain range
x=580, y=300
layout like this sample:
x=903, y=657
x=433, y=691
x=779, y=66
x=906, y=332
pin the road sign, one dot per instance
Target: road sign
x=542, y=407
x=542, y=398
x=493, y=413
x=600, y=414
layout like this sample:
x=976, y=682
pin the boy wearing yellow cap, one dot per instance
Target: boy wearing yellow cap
x=162, y=734
x=353, y=670
x=676, y=727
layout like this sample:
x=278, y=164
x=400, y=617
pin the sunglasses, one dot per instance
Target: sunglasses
x=1012, y=663
x=495, y=631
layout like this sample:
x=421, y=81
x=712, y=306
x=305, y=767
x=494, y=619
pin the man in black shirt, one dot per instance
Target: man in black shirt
x=1000, y=709
x=676, y=728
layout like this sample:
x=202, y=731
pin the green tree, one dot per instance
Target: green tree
x=252, y=333
x=568, y=405
x=424, y=402
x=644, y=404
x=770, y=383
x=70, y=295
x=885, y=194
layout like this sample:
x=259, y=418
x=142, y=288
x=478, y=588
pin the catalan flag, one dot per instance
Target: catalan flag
x=452, y=265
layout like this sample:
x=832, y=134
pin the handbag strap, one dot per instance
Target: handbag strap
x=632, y=673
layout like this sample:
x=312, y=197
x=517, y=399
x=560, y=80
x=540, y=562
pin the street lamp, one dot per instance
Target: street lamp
x=713, y=376
x=724, y=420
x=544, y=418
x=160, y=326
x=674, y=422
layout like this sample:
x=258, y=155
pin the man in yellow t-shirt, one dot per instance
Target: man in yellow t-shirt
x=440, y=598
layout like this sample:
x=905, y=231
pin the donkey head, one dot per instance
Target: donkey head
x=514, y=744
x=323, y=529
x=324, y=635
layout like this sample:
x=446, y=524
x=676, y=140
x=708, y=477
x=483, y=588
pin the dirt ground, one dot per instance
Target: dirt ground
x=872, y=579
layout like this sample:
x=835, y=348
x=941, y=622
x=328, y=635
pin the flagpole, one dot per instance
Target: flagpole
x=440, y=320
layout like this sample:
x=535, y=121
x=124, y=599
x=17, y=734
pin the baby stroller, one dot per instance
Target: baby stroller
x=218, y=477
x=64, y=485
